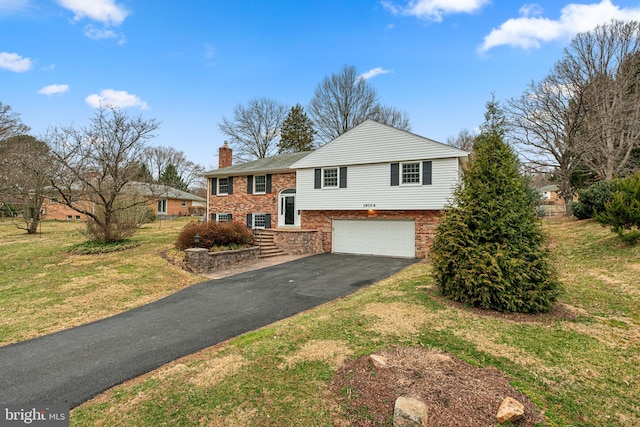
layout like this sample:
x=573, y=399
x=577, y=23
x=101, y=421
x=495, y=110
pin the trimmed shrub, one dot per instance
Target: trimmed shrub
x=622, y=211
x=489, y=250
x=592, y=199
x=214, y=234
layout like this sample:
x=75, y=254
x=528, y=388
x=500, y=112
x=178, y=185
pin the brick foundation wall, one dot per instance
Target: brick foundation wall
x=239, y=204
x=425, y=224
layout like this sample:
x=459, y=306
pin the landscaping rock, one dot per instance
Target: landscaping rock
x=379, y=361
x=409, y=412
x=510, y=410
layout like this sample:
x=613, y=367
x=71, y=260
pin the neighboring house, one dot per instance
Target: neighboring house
x=171, y=202
x=164, y=201
x=550, y=194
x=373, y=190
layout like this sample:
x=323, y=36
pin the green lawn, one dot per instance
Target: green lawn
x=580, y=365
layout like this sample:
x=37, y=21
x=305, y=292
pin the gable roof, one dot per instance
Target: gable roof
x=278, y=163
x=159, y=190
x=373, y=142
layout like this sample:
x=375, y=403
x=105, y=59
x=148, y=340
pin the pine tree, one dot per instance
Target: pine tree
x=296, y=133
x=171, y=178
x=489, y=250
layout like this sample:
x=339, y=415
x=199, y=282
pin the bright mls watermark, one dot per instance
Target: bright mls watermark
x=53, y=415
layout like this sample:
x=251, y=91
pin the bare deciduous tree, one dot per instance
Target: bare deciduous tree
x=604, y=66
x=10, y=123
x=25, y=173
x=158, y=159
x=463, y=141
x=344, y=100
x=545, y=123
x=255, y=128
x=98, y=165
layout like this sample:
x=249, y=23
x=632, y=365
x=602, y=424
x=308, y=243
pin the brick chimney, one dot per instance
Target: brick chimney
x=225, y=156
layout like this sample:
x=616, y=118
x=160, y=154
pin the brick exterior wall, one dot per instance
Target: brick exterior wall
x=59, y=211
x=239, y=204
x=425, y=224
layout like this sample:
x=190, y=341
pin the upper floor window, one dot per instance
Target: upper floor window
x=411, y=173
x=260, y=183
x=335, y=177
x=330, y=178
x=223, y=185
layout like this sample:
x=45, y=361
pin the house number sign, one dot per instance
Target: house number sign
x=368, y=205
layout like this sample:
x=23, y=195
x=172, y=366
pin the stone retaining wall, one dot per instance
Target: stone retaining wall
x=200, y=260
x=298, y=242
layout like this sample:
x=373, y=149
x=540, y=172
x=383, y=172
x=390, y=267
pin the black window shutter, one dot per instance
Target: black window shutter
x=268, y=190
x=214, y=185
x=213, y=216
x=267, y=221
x=426, y=173
x=317, y=181
x=395, y=173
x=343, y=177
x=230, y=185
x=230, y=217
x=250, y=184
x=249, y=221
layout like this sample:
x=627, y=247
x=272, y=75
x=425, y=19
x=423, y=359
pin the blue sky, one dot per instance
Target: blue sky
x=188, y=63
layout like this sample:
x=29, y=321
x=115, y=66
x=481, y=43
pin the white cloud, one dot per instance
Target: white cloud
x=105, y=11
x=98, y=34
x=54, y=89
x=115, y=98
x=372, y=73
x=14, y=62
x=434, y=10
x=531, y=30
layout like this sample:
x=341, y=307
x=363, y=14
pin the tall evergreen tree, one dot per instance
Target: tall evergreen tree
x=296, y=133
x=489, y=248
x=170, y=177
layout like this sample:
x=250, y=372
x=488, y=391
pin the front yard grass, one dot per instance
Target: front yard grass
x=45, y=288
x=580, y=365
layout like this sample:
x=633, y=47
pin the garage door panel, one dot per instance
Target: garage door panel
x=374, y=237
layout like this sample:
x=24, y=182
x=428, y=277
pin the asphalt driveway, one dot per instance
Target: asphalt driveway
x=74, y=365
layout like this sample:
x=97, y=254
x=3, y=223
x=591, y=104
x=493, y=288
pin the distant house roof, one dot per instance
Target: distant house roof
x=158, y=190
x=551, y=187
x=278, y=163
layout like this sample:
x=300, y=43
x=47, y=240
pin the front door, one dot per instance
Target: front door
x=287, y=214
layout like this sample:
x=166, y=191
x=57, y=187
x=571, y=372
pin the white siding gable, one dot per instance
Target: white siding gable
x=373, y=142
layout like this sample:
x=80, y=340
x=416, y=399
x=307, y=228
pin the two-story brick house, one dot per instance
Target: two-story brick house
x=373, y=190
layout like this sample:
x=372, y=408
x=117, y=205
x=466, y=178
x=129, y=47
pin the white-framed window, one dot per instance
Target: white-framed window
x=184, y=203
x=260, y=184
x=259, y=220
x=223, y=186
x=410, y=173
x=69, y=217
x=223, y=217
x=162, y=206
x=330, y=178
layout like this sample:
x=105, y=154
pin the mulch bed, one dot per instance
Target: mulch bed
x=455, y=392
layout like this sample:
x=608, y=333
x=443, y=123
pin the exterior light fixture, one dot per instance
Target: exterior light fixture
x=196, y=240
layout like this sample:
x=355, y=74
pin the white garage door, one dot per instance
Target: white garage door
x=374, y=237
